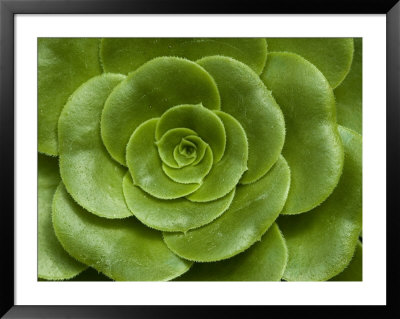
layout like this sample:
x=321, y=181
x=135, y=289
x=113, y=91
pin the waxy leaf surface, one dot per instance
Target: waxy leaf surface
x=253, y=210
x=349, y=93
x=145, y=165
x=353, y=272
x=321, y=243
x=126, y=55
x=219, y=182
x=148, y=92
x=175, y=215
x=313, y=148
x=124, y=250
x=63, y=65
x=191, y=173
x=90, y=175
x=199, y=119
x=245, y=97
x=54, y=263
x=168, y=143
x=332, y=56
x=264, y=261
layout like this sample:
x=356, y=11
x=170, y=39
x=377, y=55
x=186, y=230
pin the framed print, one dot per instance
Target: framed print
x=162, y=155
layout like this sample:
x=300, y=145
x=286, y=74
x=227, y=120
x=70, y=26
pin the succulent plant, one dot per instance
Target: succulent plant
x=211, y=159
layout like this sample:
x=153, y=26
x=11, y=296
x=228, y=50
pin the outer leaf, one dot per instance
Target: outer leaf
x=54, y=263
x=322, y=242
x=91, y=176
x=353, y=272
x=244, y=96
x=126, y=55
x=349, y=93
x=175, y=214
x=123, y=250
x=63, y=65
x=148, y=92
x=225, y=174
x=264, y=261
x=145, y=165
x=253, y=210
x=332, y=56
x=312, y=148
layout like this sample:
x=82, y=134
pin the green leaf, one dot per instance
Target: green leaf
x=245, y=97
x=353, y=272
x=264, y=261
x=191, y=173
x=90, y=175
x=199, y=119
x=167, y=146
x=253, y=210
x=123, y=250
x=349, y=93
x=313, y=148
x=145, y=165
x=321, y=243
x=54, y=263
x=175, y=214
x=332, y=56
x=63, y=65
x=148, y=92
x=126, y=55
x=225, y=174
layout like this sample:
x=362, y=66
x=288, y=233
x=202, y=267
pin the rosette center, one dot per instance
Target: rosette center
x=187, y=148
x=180, y=147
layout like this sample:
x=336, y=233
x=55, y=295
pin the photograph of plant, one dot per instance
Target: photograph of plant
x=200, y=159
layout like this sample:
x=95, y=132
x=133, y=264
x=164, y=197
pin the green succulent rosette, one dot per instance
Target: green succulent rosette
x=199, y=159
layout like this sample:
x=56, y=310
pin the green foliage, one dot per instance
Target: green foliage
x=54, y=263
x=321, y=242
x=349, y=93
x=199, y=159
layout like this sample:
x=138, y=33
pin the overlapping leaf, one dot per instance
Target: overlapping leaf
x=321, y=243
x=186, y=151
x=54, y=263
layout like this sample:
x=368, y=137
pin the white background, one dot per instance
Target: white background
x=373, y=288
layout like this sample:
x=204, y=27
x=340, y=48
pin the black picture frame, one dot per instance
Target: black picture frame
x=8, y=10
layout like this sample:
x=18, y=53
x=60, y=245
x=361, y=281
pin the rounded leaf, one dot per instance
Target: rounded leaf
x=225, y=174
x=353, y=272
x=253, y=210
x=245, y=97
x=54, y=263
x=145, y=165
x=199, y=119
x=174, y=215
x=321, y=243
x=349, y=93
x=124, y=55
x=90, y=175
x=194, y=173
x=332, y=56
x=313, y=148
x=148, y=92
x=168, y=143
x=63, y=65
x=264, y=261
x=123, y=250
